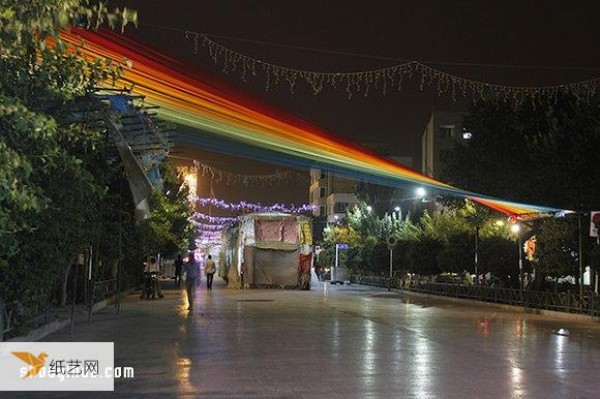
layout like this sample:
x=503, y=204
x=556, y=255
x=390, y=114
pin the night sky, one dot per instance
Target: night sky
x=529, y=43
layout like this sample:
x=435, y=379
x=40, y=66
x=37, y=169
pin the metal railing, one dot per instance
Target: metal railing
x=557, y=301
x=16, y=318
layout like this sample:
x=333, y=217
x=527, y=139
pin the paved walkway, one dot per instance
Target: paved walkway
x=341, y=342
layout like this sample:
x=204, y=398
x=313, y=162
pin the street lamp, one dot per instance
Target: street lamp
x=516, y=228
x=421, y=193
x=369, y=208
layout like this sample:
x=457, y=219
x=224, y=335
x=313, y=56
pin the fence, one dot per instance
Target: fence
x=557, y=301
x=17, y=319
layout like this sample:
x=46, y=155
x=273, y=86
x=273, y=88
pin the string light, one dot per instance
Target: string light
x=215, y=219
x=231, y=178
x=211, y=227
x=385, y=79
x=247, y=206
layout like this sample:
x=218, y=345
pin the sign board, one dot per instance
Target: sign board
x=594, y=223
x=391, y=242
x=342, y=246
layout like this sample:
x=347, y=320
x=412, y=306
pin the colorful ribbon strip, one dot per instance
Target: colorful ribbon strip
x=229, y=121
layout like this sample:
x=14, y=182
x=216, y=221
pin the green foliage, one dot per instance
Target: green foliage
x=537, y=153
x=442, y=241
x=168, y=230
x=540, y=153
x=499, y=257
x=442, y=225
x=558, y=247
x=53, y=172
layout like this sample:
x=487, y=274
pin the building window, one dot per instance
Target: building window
x=323, y=174
x=341, y=207
x=446, y=132
x=322, y=192
x=322, y=211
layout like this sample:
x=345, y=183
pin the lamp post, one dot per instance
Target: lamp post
x=516, y=228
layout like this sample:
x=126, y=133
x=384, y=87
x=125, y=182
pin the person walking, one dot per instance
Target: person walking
x=178, y=270
x=210, y=269
x=192, y=273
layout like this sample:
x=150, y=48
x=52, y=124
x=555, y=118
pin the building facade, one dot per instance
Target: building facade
x=443, y=131
x=332, y=195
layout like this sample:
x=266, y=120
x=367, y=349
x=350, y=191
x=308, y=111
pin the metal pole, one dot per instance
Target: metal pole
x=391, y=255
x=580, y=256
x=390, y=282
x=1, y=320
x=336, y=262
x=74, y=298
x=118, y=283
x=520, y=265
x=476, y=253
x=91, y=284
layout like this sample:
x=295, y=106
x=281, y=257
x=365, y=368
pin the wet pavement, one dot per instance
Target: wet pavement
x=341, y=342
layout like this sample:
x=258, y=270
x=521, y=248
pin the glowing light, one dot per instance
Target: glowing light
x=190, y=177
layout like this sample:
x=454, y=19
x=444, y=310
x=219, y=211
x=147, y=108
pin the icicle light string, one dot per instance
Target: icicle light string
x=247, y=206
x=231, y=178
x=211, y=227
x=385, y=79
x=215, y=219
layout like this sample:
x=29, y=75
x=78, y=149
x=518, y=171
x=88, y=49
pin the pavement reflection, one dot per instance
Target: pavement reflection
x=343, y=342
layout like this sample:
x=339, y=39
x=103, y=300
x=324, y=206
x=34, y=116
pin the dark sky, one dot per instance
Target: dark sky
x=545, y=43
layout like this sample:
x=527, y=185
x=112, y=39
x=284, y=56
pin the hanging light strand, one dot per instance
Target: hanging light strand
x=384, y=79
x=250, y=207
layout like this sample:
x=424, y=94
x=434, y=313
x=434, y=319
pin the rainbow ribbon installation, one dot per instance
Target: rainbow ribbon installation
x=226, y=120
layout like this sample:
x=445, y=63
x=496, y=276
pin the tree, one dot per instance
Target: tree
x=557, y=247
x=538, y=152
x=168, y=230
x=499, y=256
x=50, y=189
